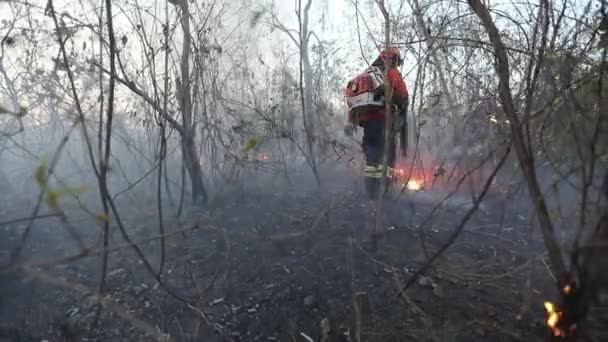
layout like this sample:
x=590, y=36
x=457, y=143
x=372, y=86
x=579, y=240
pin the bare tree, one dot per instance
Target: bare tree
x=523, y=151
x=306, y=79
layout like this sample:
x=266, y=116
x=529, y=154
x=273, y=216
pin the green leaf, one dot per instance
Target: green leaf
x=102, y=218
x=53, y=196
x=52, y=200
x=251, y=143
x=41, y=176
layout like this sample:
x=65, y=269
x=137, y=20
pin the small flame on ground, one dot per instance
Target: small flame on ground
x=411, y=183
x=553, y=317
x=414, y=185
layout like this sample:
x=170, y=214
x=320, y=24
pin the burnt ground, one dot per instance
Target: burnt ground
x=289, y=266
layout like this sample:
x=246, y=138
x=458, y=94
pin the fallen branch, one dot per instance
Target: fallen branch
x=423, y=316
x=137, y=91
x=548, y=269
x=216, y=326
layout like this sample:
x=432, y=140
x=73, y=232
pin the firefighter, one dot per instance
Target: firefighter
x=373, y=121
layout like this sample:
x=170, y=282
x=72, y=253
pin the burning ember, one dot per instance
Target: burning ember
x=553, y=317
x=560, y=325
x=262, y=157
x=414, y=185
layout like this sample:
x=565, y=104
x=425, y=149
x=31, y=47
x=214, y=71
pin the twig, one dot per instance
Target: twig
x=423, y=316
x=215, y=326
x=179, y=326
x=132, y=185
x=508, y=273
x=383, y=264
x=548, y=269
x=25, y=219
x=306, y=337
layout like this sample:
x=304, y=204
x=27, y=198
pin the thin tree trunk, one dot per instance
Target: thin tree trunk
x=307, y=100
x=199, y=194
x=191, y=159
x=308, y=84
x=388, y=128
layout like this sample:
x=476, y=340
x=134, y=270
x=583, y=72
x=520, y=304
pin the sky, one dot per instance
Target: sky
x=331, y=20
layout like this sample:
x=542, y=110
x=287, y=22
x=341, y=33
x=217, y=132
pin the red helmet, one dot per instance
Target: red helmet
x=391, y=53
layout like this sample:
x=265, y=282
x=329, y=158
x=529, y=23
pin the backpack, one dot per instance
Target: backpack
x=363, y=93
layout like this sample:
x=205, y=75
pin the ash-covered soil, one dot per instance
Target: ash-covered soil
x=262, y=265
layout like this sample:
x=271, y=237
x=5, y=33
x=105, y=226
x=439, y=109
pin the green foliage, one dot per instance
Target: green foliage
x=251, y=143
x=52, y=196
x=102, y=218
x=41, y=176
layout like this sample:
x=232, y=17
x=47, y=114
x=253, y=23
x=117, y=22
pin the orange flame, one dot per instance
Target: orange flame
x=414, y=185
x=552, y=318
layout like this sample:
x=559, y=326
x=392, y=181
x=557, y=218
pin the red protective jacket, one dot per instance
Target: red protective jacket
x=400, y=98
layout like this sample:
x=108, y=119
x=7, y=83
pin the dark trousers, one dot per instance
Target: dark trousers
x=373, y=142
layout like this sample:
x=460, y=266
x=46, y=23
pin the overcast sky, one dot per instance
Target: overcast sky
x=329, y=19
